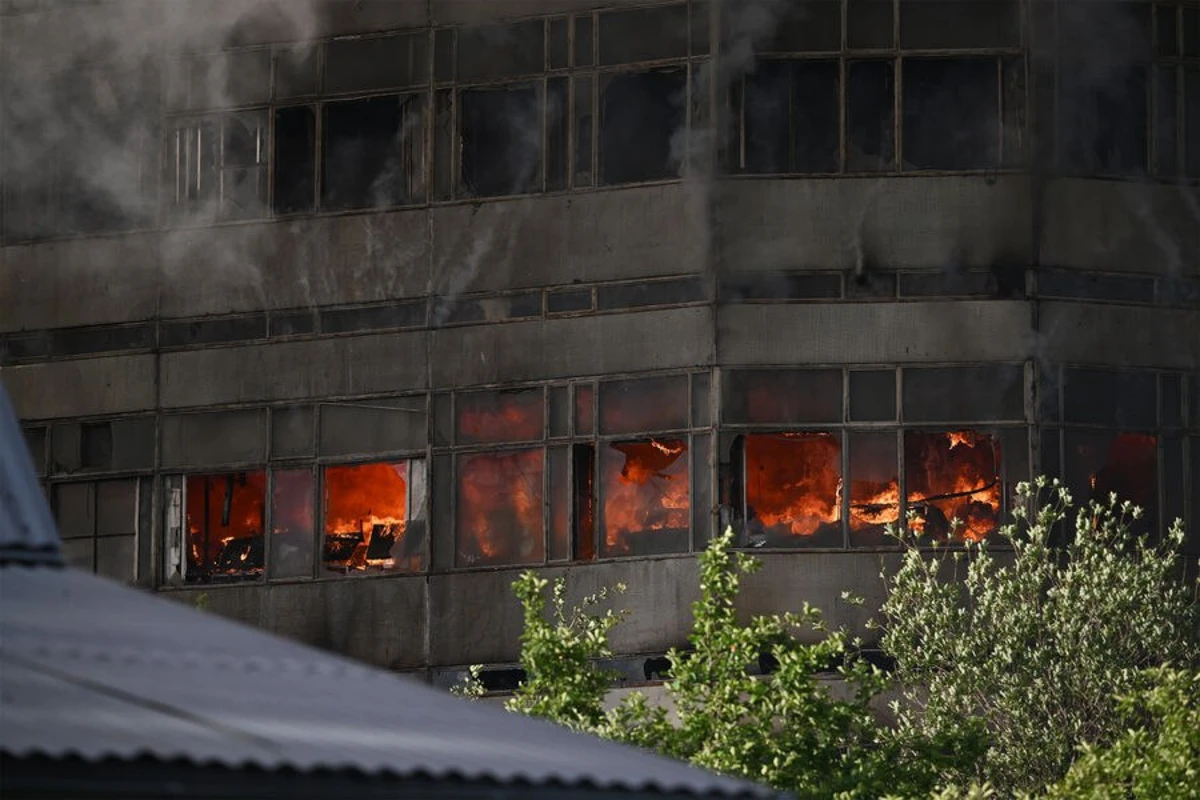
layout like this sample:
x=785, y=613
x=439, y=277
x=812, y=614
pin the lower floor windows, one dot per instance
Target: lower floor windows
x=793, y=489
x=954, y=483
x=500, y=514
x=646, y=506
x=372, y=522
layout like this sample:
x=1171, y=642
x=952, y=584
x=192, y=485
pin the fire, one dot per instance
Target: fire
x=365, y=515
x=1130, y=469
x=500, y=504
x=952, y=476
x=645, y=488
x=793, y=483
x=226, y=517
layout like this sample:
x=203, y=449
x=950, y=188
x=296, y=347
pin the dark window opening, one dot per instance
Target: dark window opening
x=644, y=489
x=870, y=114
x=950, y=114
x=793, y=485
x=811, y=26
x=295, y=159
x=584, y=491
x=954, y=483
x=225, y=520
x=1166, y=121
x=1103, y=118
x=96, y=446
x=492, y=52
x=643, y=34
x=500, y=509
x=501, y=140
x=791, y=117
x=1125, y=464
x=869, y=23
x=953, y=24
x=1191, y=105
x=642, y=126
x=372, y=152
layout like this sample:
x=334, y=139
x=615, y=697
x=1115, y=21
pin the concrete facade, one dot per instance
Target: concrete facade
x=1050, y=308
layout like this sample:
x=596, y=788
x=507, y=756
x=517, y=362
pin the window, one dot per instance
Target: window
x=373, y=156
x=99, y=524
x=950, y=113
x=292, y=544
x=368, y=519
x=495, y=417
x=295, y=159
x=870, y=140
x=644, y=486
x=793, y=485
x=500, y=509
x=1100, y=463
x=953, y=476
x=642, y=125
x=874, y=487
x=222, y=525
x=791, y=117
x=501, y=140
x=218, y=166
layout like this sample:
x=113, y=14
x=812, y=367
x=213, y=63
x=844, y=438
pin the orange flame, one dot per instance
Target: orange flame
x=794, y=481
x=500, y=501
x=362, y=501
x=645, y=488
x=952, y=476
x=247, y=512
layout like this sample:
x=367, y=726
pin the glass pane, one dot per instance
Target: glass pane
x=226, y=516
x=644, y=491
x=487, y=417
x=292, y=542
x=1101, y=463
x=783, y=396
x=874, y=488
x=366, y=520
x=950, y=476
x=584, y=501
x=950, y=114
x=501, y=142
x=651, y=404
x=869, y=116
x=560, y=504
x=585, y=395
x=500, y=509
x=794, y=490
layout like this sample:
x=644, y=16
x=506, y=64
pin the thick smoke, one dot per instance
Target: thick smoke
x=84, y=89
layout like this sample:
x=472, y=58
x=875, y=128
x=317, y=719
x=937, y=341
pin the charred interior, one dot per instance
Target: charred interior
x=363, y=308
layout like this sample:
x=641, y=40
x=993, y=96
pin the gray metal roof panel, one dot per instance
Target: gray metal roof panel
x=99, y=671
x=27, y=532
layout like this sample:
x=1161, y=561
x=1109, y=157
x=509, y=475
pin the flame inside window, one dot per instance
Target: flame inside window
x=1125, y=464
x=874, y=487
x=953, y=476
x=793, y=489
x=500, y=509
x=366, y=508
x=644, y=491
x=226, y=515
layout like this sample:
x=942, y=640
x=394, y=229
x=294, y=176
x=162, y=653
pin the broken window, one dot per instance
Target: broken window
x=499, y=519
x=218, y=166
x=953, y=482
x=1100, y=463
x=644, y=497
x=501, y=140
x=951, y=108
x=793, y=484
x=642, y=125
x=295, y=160
x=292, y=542
x=494, y=417
x=791, y=117
x=583, y=460
x=223, y=520
x=373, y=152
x=874, y=487
x=368, y=515
x=870, y=114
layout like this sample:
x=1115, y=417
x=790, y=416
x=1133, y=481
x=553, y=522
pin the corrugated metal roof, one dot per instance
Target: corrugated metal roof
x=94, y=670
x=99, y=671
x=27, y=532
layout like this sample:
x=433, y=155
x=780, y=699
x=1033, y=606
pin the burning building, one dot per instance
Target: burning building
x=343, y=313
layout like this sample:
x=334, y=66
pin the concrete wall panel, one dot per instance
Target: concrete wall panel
x=1122, y=226
x=539, y=241
x=562, y=348
x=1121, y=336
x=294, y=370
x=874, y=332
x=916, y=222
x=84, y=387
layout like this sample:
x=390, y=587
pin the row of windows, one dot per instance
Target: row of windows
x=795, y=488
x=354, y=123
